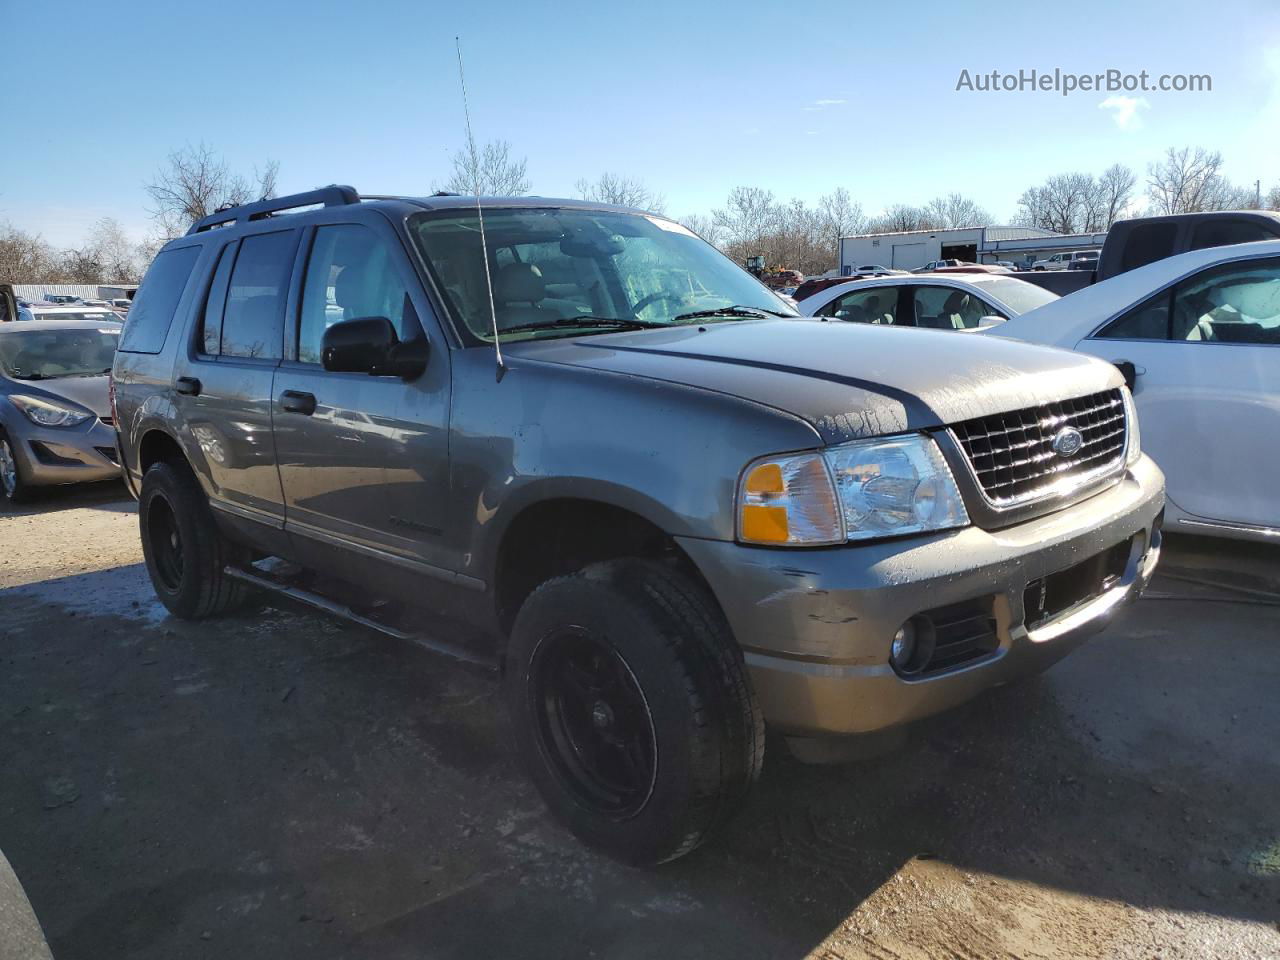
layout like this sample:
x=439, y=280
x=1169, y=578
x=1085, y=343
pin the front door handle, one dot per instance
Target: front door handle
x=188, y=386
x=295, y=401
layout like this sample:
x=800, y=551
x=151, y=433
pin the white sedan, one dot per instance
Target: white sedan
x=951, y=301
x=1198, y=337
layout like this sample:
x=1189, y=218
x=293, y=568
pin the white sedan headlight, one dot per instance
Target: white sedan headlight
x=856, y=491
x=49, y=413
x=1134, y=450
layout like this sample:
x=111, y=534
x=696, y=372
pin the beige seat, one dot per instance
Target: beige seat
x=518, y=292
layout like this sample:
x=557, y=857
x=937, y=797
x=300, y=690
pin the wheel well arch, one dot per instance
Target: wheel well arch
x=157, y=446
x=559, y=536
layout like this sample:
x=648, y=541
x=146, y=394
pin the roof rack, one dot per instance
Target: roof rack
x=331, y=196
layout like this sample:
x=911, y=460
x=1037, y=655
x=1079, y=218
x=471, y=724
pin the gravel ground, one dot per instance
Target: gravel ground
x=282, y=784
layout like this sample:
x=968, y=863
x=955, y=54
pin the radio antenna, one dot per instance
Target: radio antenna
x=475, y=183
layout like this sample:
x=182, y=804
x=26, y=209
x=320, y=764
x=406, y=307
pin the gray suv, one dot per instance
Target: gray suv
x=681, y=512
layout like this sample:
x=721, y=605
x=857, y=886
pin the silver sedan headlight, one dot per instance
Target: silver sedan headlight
x=861, y=490
x=49, y=413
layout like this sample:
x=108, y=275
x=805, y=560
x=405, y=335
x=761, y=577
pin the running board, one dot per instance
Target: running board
x=319, y=602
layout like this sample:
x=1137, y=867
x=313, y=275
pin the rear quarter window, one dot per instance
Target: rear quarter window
x=157, y=299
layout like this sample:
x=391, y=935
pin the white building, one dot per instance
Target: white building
x=910, y=249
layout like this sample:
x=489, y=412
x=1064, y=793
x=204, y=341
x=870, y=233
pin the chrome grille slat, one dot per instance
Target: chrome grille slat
x=1011, y=454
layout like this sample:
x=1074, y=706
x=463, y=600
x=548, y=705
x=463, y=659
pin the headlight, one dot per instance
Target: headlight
x=48, y=413
x=1134, y=450
x=856, y=491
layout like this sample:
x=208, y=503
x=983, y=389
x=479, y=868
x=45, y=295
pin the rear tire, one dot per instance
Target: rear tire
x=632, y=709
x=14, y=488
x=185, y=552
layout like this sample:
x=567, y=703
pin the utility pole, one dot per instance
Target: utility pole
x=1257, y=194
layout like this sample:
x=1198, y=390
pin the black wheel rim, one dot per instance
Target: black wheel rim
x=594, y=723
x=166, y=544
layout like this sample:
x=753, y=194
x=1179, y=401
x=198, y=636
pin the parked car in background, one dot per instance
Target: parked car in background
x=55, y=416
x=60, y=299
x=1008, y=265
x=876, y=270
x=941, y=301
x=1088, y=260
x=974, y=268
x=1134, y=243
x=937, y=264
x=1065, y=260
x=121, y=304
x=1198, y=336
x=678, y=512
x=814, y=284
x=76, y=312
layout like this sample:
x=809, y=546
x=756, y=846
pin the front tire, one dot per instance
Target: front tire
x=632, y=709
x=14, y=488
x=185, y=553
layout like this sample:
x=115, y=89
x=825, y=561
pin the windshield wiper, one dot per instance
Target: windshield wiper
x=619, y=323
x=31, y=376
x=758, y=313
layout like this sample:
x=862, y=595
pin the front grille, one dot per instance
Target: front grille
x=1012, y=454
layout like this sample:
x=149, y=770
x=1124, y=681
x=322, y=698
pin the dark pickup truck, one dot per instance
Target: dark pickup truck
x=1135, y=243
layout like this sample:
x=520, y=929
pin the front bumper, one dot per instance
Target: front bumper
x=816, y=625
x=54, y=455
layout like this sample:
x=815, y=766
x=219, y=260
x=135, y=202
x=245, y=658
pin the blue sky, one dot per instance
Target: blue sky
x=691, y=97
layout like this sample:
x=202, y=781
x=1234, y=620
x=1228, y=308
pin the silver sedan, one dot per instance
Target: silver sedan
x=55, y=416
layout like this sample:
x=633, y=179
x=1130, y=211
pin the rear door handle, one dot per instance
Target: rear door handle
x=295, y=401
x=188, y=386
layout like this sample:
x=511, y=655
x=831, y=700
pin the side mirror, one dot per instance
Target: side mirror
x=370, y=345
x=986, y=323
x=1129, y=371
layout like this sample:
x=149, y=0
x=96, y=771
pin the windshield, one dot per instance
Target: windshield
x=566, y=271
x=1018, y=295
x=47, y=354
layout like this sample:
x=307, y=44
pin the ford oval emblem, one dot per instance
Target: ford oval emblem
x=1067, y=442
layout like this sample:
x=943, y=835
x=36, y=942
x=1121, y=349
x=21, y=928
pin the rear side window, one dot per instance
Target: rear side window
x=1220, y=233
x=254, y=312
x=1147, y=243
x=157, y=298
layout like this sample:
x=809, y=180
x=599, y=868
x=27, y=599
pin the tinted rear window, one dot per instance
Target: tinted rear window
x=254, y=311
x=157, y=298
x=1220, y=233
x=1148, y=243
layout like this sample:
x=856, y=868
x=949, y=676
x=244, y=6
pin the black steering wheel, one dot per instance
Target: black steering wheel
x=654, y=298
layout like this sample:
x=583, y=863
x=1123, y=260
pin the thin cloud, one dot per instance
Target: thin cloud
x=828, y=103
x=1124, y=110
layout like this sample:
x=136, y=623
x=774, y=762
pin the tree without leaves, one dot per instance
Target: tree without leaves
x=955, y=211
x=705, y=227
x=117, y=255
x=746, y=216
x=25, y=257
x=195, y=182
x=841, y=215
x=623, y=191
x=491, y=172
x=900, y=218
x=1190, y=180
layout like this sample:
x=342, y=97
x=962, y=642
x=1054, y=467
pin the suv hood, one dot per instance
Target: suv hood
x=847, y=380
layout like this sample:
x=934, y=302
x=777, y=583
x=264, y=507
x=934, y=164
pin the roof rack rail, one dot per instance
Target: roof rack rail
x=330, y=196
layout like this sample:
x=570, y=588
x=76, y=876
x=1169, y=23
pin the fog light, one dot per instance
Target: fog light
x=904, y=645
x=912, y=646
